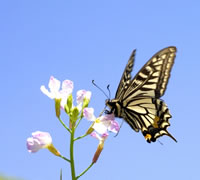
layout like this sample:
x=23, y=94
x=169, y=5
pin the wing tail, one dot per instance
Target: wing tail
x=168, y=134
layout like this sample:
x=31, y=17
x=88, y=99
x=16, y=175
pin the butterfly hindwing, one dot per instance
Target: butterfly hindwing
x=149, y=115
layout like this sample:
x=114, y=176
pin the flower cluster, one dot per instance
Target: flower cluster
x=62, y=95
x=55, y=92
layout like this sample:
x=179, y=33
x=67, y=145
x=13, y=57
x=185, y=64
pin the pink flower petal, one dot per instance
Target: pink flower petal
x=38, y=141
x=100, y=128
x=107, y=123
x=55, y=92
x=88, y=113
x=54, y=84
x=67, y=86
x=43, y=137
x=114, y=127
x=104, y=135
x=81, y=94
x=88, y=95
x=95, y=135
x=107, y=117
x=33, y=145
x=46, y=92
x=101, y=138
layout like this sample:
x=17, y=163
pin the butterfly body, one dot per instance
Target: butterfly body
x=138, y=101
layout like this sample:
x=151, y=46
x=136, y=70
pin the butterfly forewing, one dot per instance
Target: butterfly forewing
x=126, y=77
x=152, y=79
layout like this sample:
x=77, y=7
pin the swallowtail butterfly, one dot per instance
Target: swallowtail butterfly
x=138, y=101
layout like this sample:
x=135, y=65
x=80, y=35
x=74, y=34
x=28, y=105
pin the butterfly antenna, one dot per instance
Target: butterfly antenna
x=108, y=88
x=100, y=89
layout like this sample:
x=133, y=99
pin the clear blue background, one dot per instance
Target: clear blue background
x=85, y=40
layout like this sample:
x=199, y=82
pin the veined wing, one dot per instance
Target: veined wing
x=149, y=115
x=126, y=77
x=152, y=79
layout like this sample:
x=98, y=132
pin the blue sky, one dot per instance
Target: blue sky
x=85, y=40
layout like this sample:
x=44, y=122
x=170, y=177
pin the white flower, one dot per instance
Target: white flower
x=82, y=95
x=55, y=92
x=38, y=141
x=103, y=123
x=109, y=121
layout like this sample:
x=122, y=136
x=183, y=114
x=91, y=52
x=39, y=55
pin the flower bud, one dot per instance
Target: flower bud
x=57, y=107
x=70, y=102
x=86, y=102
x=41, y=140
x=98, y=152
x=66, y=108
x=75, y=113
x=38, y=141
x=74, y=117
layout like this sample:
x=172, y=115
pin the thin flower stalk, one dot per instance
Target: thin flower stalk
x=65, y=126
x=72, y=154
x=85, y=170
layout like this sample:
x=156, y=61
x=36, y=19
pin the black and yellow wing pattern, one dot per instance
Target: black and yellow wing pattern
x=138, y=101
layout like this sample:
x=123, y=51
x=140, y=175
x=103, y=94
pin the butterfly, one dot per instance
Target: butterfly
x=138, y=101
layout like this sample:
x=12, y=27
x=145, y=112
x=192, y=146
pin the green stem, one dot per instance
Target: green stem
x=72, y=154
x=85, y=171
x=78, y=122
x=64, y=124
x=80, y=137
x=65, y=158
